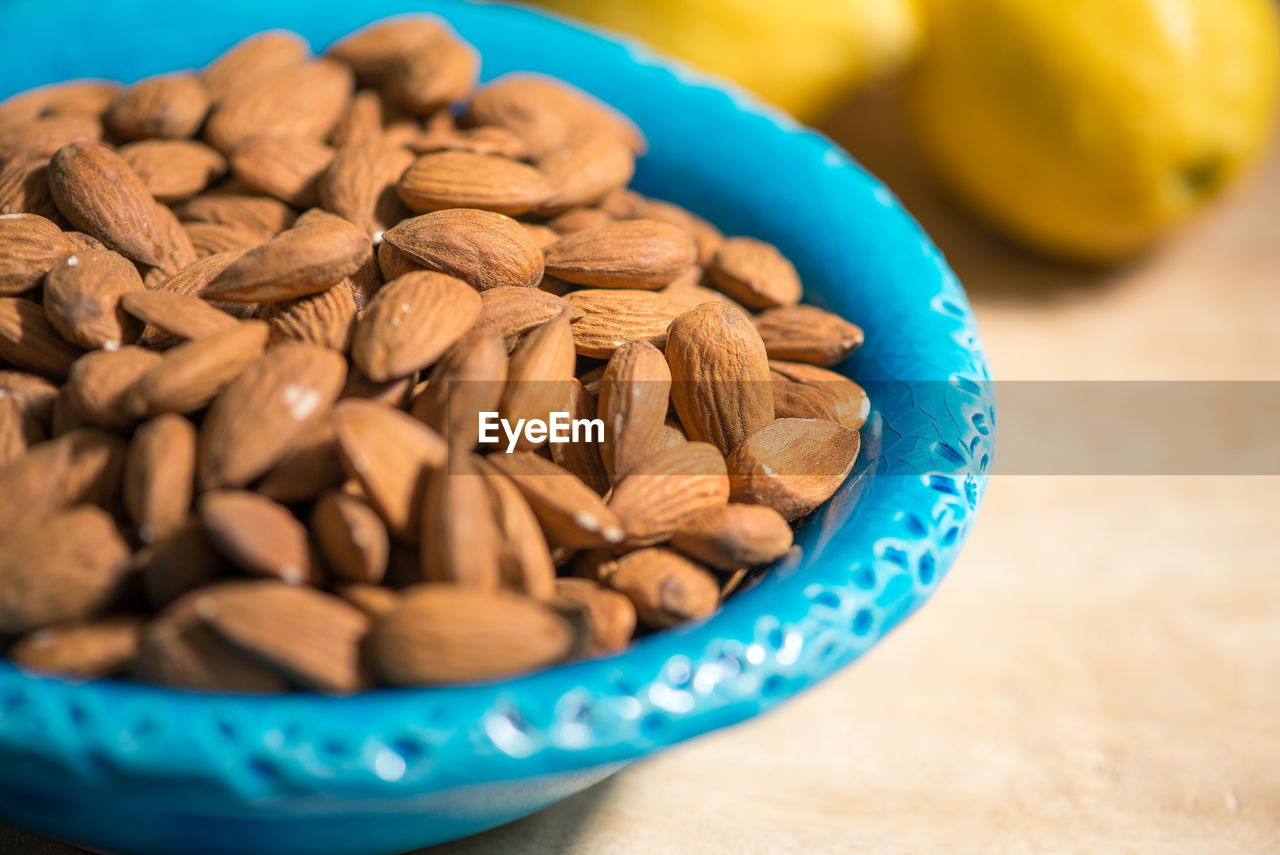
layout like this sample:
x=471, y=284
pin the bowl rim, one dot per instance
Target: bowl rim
x=804, y=619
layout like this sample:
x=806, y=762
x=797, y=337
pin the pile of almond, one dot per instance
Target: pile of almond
x=249, y=317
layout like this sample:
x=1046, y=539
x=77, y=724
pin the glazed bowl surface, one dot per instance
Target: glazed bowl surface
x=131, y=768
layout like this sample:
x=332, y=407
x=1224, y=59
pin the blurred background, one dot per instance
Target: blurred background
x=1103, y=176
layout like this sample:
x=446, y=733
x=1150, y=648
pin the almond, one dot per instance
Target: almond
x=463, y=179
x=173, y=170
x=583, y=458
x=440, y=633
x=288, y=168
x=256, y=534
x=66, y=568
x=310, y=467
x=261, y=214
x=539, y=375
x=35, y=394
x=633, y=399
x=43, y=136
x=482, y=248
x=33, y=486
x=310, y=637
x=705, y=235
x=469, y=380
x=441, y=71
x=360, y=184
x=99, y=384
x=755, y=274
x=188, y=377
x=374, y=600
x=24, y=188
x=97, y=648
x=252, y=424
x=411, y=321
x=665, y=587
x=252, y=59
x=807, y=334
x=303, y=100
x=730, y=536
x=720, y=375
x=326, y=319
x=546, y=112
x=29, y=246
x=792, y=465
x=611, y=318
x=175, y=316
x=362, y=123
x=510, y=311
x=586, y=170
x=28, y=340
x=610, y=616
x=297, y=262
x=808, y=392
x=82, y=294
x=168, y=105
x=99, y=192
x=625, y=254
x=18, y=430
x=213, y=238
x=571, y=513
x=460, y=541
x=77, y=97
x=524, y=558
x=351, y=536
x=160, y=476
x=372, y=51
x=666, y=489
x=390, y=453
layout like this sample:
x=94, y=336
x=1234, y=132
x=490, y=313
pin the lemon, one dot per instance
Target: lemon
x=1085, y=128
x=802, y=56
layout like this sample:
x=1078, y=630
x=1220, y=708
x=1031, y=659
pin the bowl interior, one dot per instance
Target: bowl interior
x=869, y=557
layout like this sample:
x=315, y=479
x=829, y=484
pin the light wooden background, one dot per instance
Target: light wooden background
x=1099, y=674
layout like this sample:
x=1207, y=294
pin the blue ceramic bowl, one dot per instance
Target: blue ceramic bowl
x=139, y=769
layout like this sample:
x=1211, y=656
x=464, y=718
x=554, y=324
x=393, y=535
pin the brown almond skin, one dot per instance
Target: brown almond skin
x=469, y=380
x=755, y=274
x=705, y=235
x=792, y=465
x=213, y=238
x=77, y=97
x=189, y=376
x=64, y=569
x=546, y=112
x=720, y=375
x=261, y=214
x=18, y=430
x=463, y=179
x=510, y=311
x=441, y=71
x=167, y=105
x=287, y=168
x=611, y=318
x=807, y=334
x=35, y=394
x=627, y=254
x=29, y=246
x=174, y=316
x=304, y=100
x=310, y=467
x=159, y=476
x=524, y=559
x=303, y=260
x=539, y=375
x=483, y=248
x=441, y=633
x=374, y=600
x=633, y=399
x=360, y=184
x=589, y=168
x=665, y=587
x=24, y=188
x=727, y=537
x=173, y=170
x=460, y=541
x=252, y=59
x=583, y=458
x=390, y=453
x=252, y=424
x=571, y=513
x=611, y=618
x=666, y=488
x=808, y=392
x=256, y=534
x=41, y=137
x=326, y=319
x=82, y=294
x=411, y=322
x=178, y=648
x=351, y=536
x=372, y=51
x=102, y=647
x=99, y=193
x=29, y=341
x=310, y=637
x=99, y=384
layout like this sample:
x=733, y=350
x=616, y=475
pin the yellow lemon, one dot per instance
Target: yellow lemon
x=802, y=56
x=1085, y=128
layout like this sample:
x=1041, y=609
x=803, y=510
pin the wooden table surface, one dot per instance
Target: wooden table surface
x=1100, y=673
